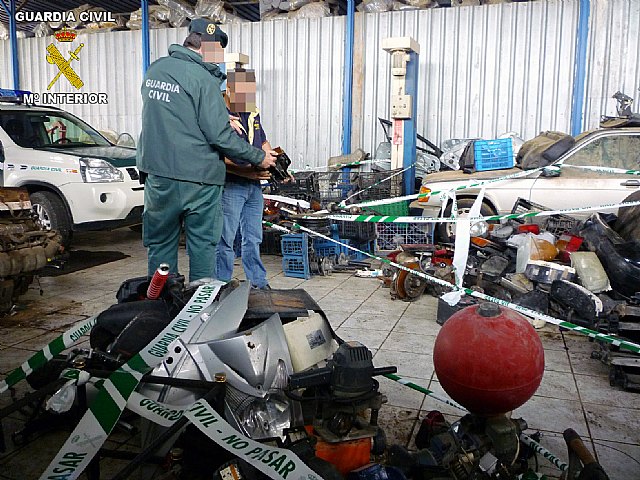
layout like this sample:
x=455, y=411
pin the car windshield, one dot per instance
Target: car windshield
x=55, y=129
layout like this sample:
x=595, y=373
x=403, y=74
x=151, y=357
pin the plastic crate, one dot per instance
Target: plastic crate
x=398, y=209
x=326, y=248
x=296, y=266
x=390, y=235
x=358, y=231
x=271, y=242
x=295, y=244
x=493, y=154
x=368, y=247
x=303, y=186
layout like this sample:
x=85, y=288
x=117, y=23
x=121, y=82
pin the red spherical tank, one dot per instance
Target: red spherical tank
x=488, y=359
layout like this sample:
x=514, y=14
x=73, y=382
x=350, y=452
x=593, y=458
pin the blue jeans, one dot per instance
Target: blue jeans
x=167, y=204
x=242, y=206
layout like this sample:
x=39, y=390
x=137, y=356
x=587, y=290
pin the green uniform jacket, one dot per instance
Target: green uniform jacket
x=185, y=123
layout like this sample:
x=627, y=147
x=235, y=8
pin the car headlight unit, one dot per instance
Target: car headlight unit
x=479, y=229
x=95, y=170
x=265, y=417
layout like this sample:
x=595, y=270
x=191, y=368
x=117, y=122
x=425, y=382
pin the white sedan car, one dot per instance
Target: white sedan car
x=556, y=189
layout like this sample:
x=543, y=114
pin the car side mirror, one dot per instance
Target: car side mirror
x=550, y=171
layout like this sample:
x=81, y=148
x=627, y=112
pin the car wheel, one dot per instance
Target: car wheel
x=445, y=231
x=52, y=214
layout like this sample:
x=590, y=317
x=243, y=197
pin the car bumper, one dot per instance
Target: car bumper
x=96, y=203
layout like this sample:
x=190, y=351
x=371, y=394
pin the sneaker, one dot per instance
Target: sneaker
x=266, y=287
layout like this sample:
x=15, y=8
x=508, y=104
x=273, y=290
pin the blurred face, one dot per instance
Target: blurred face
x=241, y=89
x=212, y=52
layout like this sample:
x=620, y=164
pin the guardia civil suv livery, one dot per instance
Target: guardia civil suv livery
x=77, y=180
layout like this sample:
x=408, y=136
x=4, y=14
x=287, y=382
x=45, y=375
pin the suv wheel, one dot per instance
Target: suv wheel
x=445, y=231
x=52, y=214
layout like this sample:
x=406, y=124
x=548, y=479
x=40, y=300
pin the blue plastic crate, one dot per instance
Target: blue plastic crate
x=296, y=266
x=295, y=244
x=352, y=254
x=493, y=154
x=325, y=248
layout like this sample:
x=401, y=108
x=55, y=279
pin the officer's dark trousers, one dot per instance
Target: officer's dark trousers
x=169, y=203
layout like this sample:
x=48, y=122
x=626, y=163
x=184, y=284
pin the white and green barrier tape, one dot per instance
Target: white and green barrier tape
x=471, y=184
x=426, y=391
x=620, y=171
x=277, y=463
x=490, y=218
x=480, y=183
x=544, y=452
x=64, y=341
x=111, y=399
x=612, y=339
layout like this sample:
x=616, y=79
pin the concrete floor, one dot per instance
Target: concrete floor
x=575, y=390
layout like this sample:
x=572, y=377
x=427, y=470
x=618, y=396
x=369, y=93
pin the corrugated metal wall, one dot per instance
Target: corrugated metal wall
x=298, y=67
x=613, y=59
x=483, y=71
x=6, y=77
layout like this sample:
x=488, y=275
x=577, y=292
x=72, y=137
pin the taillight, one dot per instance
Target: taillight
x=423, y=196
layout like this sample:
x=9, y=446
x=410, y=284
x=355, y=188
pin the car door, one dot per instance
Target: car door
x=576, y=187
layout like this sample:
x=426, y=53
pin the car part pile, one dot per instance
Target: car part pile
x=434, y=260
x=25, y=246
x=266, y=361
x=581, y=272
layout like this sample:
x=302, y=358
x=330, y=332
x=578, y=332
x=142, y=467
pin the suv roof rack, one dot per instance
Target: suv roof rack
x=13, y=96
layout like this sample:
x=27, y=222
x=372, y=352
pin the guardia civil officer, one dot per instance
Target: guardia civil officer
x=184, y=139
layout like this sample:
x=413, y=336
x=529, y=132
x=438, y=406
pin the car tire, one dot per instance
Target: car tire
x=52, y=214
x=444, y=231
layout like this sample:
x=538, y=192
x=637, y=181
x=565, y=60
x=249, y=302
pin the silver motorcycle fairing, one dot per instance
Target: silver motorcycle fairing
x=226, y=315
x=249, y=359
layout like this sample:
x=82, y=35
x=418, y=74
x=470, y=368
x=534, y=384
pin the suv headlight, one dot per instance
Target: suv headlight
x=94, y=170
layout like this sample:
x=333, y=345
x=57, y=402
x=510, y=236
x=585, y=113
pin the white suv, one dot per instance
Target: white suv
x=76, y=178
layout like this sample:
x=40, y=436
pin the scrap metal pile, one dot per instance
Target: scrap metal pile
x=584, y=272
x=224, y=381
x=25, y=245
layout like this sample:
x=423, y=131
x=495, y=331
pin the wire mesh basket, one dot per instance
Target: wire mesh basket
x=378, y=185
x=390, y=235
x=334, y=187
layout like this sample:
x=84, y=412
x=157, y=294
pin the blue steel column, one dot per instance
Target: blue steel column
x=144, y=6
x=409, y=134
x=580, y=74
x=11, y=13
x=348, y=80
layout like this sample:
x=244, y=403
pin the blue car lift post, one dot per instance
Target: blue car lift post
x=13, y=37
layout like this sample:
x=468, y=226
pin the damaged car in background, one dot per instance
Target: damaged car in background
x=565, y=173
